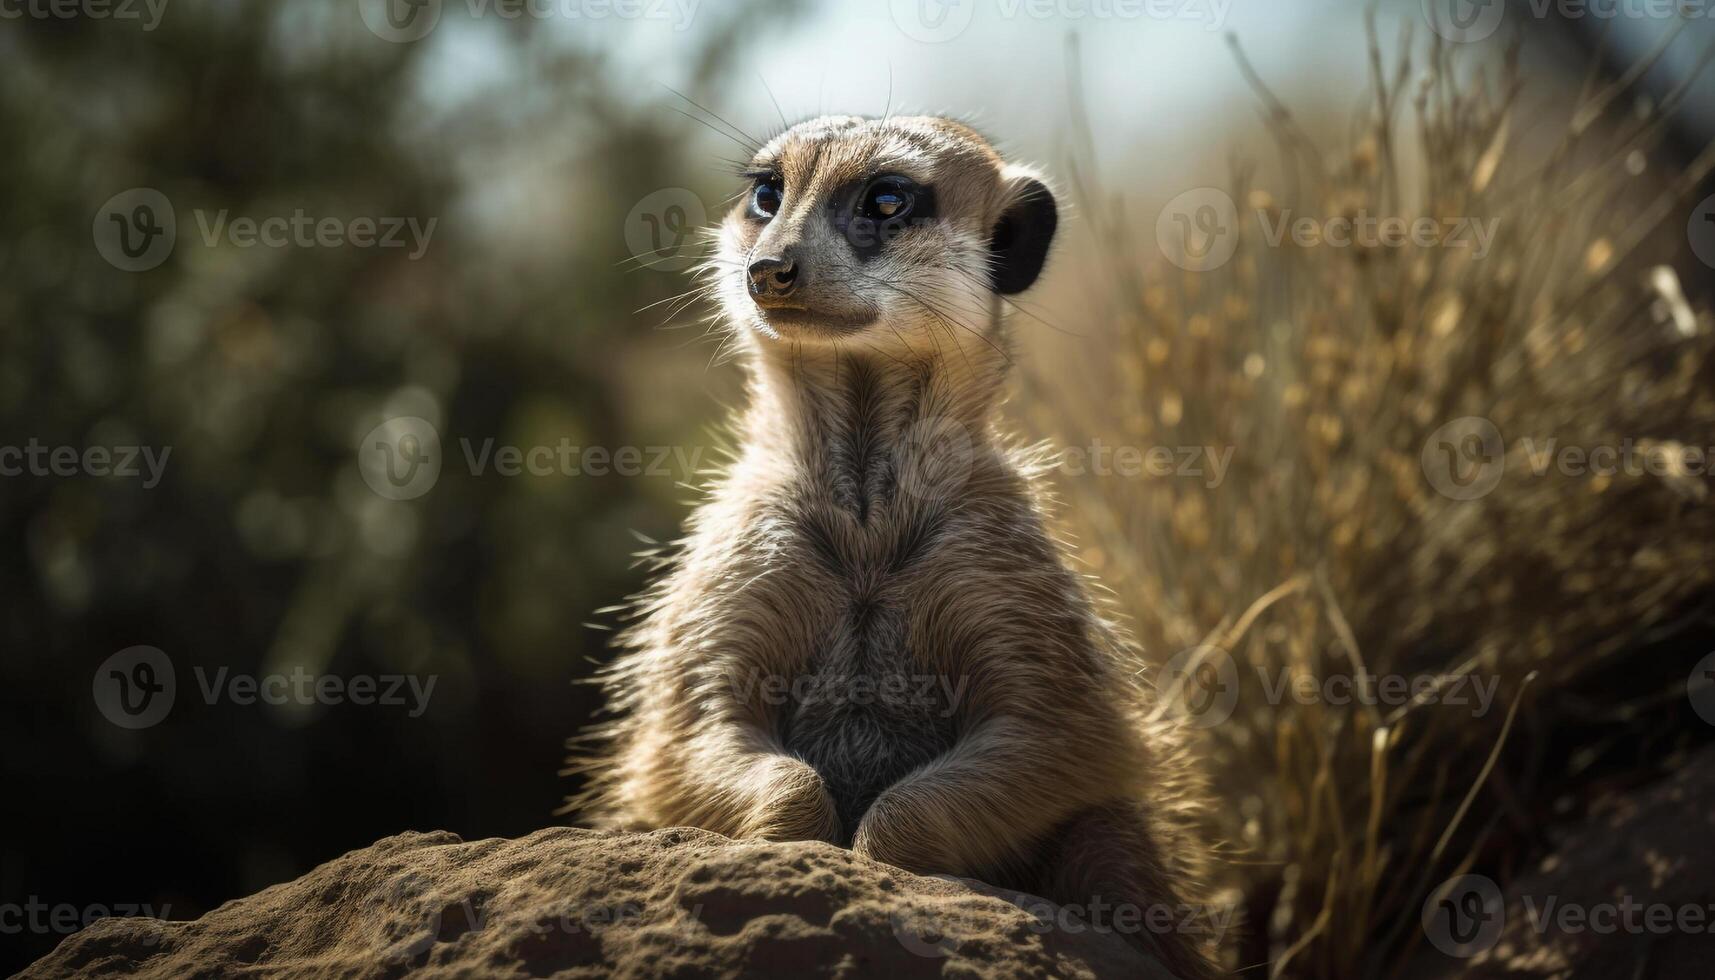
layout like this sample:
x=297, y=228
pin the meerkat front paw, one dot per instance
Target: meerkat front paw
x=792, y=805
x=890, y=834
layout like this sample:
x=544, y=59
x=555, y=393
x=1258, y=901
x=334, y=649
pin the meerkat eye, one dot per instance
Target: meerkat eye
x=765, y=199
x=887, y=199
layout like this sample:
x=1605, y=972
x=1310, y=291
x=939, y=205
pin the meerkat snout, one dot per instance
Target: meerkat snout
x=773, y=279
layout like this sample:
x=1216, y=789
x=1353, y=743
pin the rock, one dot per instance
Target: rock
x=579, y=903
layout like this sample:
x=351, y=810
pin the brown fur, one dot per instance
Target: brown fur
x=876, y=526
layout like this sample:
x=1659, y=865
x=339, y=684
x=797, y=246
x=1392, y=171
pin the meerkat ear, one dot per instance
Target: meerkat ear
x=1018, y=246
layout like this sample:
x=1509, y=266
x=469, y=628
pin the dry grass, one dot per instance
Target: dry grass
x=1327, y=551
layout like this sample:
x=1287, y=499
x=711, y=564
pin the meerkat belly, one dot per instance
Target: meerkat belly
x=865, y=713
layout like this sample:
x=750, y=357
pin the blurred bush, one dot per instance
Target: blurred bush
x=1335, y=548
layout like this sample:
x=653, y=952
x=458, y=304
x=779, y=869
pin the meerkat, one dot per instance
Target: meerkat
x=869, y=635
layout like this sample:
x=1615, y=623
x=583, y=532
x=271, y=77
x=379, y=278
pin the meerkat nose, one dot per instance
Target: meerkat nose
x=773, y=279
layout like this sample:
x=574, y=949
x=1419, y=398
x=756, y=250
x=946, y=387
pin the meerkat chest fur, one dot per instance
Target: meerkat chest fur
x=871, y=516
x=864, y=273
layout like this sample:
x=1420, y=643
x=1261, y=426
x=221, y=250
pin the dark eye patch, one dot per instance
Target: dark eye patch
x=873, y=211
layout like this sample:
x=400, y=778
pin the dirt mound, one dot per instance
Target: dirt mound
x=578, y=903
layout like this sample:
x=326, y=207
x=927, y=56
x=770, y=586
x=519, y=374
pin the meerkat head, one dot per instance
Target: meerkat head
x=880, y=232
